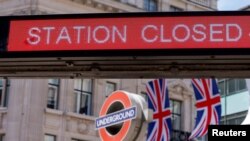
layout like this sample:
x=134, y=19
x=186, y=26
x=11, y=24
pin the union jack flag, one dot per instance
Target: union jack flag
x=159, y=128
x=207, y=105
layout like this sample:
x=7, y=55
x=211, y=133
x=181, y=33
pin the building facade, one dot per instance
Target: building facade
x=232, y=91
x=246, y=8
x=31, y=7
x=65, y=109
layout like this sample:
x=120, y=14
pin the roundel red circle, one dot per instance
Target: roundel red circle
x=118, y=96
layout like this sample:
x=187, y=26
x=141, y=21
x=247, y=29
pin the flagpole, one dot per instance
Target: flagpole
x=246, y=121
x=227, y=89
x=226, y=108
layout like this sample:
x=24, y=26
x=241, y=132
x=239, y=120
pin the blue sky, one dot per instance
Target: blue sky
x=232, y=4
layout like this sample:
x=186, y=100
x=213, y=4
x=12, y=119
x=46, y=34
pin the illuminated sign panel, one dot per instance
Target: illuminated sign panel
x=129, y=33
x=123, y=117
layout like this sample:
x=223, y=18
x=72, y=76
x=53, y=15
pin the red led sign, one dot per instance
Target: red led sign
x=195, y=32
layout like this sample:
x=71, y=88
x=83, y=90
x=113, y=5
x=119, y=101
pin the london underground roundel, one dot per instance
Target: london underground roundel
x=121, y=117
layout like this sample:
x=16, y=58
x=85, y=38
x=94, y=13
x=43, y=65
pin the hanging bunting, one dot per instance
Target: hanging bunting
x=159, y=129
x=208, y=106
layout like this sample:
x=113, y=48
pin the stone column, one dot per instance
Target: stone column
x=67, y=97
x=98, y=96
x=25, y=115
x=187, y=112
x=66, y=104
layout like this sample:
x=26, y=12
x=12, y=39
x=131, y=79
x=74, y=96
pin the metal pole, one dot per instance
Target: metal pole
x=227, y=90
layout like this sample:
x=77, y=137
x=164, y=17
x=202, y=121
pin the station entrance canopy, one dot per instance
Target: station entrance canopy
x=126, y=45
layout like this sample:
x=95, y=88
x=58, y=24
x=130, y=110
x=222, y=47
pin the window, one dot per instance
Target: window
x=145, y=96
x=110, y=87
x=150, y=5
x=130, y=2
x=50, y=138
x=77, y=140
x=2, y=136
x=175, y=107
x=1, y=92
x=175, y=9
x=83, y=92
x=231, y=86
x=53, y=93
x=234, y=119
x=204, y=138
x=4, y=92
x=202, y=2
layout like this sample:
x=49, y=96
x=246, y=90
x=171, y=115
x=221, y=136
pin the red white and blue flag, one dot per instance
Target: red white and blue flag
x=158, y=100
x=208, y=106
